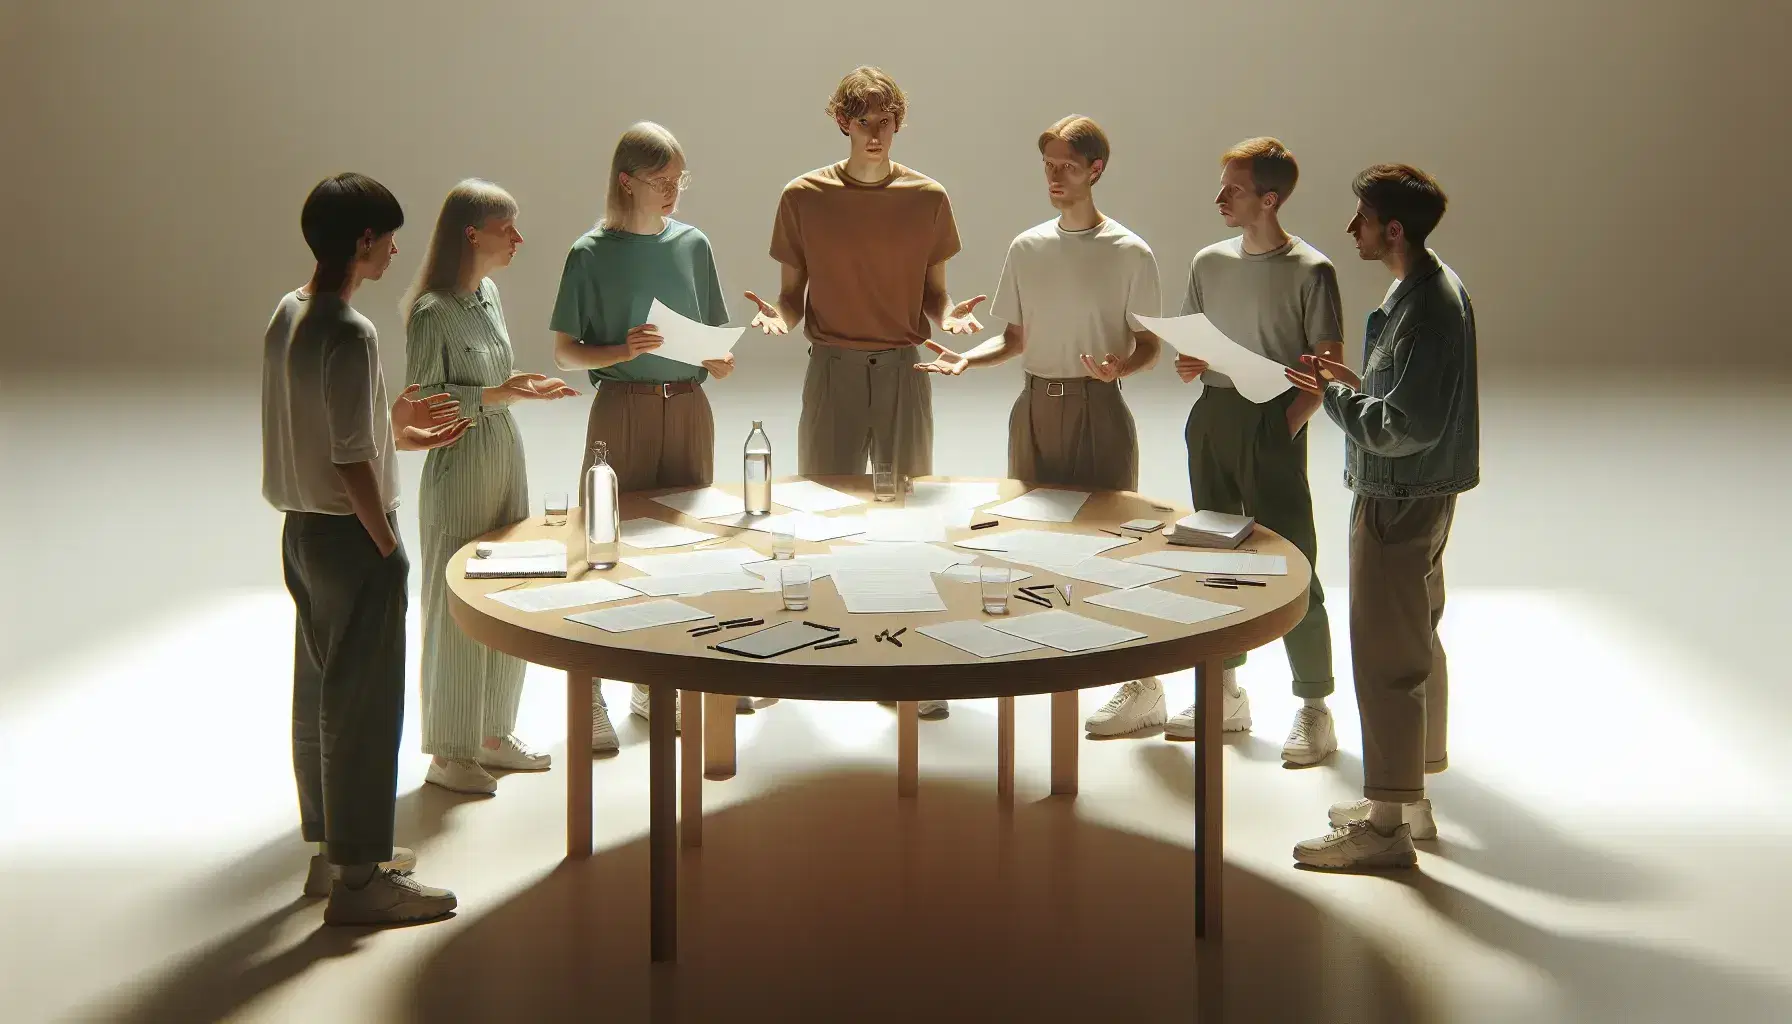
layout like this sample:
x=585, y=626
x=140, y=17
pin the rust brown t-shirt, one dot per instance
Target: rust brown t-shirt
x=866, y=249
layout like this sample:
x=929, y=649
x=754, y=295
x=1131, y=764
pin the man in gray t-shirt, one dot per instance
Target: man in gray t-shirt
x=1278, y=296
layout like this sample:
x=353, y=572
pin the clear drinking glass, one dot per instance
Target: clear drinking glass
x=994, y=579
x=795, y=580
x=783, y=541
x=883, y=481
x=554, y=508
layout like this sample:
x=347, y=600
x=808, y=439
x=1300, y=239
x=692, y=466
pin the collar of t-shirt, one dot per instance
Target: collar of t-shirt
x=1280, y=250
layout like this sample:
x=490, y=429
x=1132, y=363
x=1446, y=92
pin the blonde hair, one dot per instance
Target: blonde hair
x=646, y=147
x=1272, y=167
x=471, y=204
x=865, y=89
x=1084, y=137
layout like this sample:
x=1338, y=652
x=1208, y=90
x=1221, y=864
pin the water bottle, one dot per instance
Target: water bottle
x=599, y=496
x=756, y=471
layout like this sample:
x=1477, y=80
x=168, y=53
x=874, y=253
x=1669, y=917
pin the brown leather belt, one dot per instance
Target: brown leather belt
x=1066, y=386
x=683, y=387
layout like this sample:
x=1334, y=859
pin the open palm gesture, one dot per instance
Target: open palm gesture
x=946, y=362
x=768, y=319
x=961, y=320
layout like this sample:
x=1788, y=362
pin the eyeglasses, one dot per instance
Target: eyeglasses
x=666, y=186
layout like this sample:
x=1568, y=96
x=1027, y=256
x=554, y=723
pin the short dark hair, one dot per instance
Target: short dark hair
x=338, y=213
x=1399, y=192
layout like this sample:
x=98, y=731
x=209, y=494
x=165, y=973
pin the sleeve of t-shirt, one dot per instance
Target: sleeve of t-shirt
x=787, y=234
x=1191, y=302
x=348, y=399
x=1007, y=305
x=1323, y=315
x=945, y=233
x=1144, y=295
x=714, y=305
x=576, y=305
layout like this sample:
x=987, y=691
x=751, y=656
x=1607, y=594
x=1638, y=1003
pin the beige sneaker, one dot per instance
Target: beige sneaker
x=319, y=876
x=603, y=734
x=1356, y=846
x=1138, y=704
x=387, y=898
x=461, y=776
x=1312, y=738
x=1236, y=709
x=513, y=756
x=1416, y=815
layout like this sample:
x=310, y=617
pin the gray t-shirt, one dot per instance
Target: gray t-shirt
x=323, y=404
x=1279, y=304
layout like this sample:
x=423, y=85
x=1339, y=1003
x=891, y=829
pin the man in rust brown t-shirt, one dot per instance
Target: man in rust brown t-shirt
x=863, y=245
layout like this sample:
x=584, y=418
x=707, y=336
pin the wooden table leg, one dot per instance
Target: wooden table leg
x=663, y=818
x=1210, y=798
x=908, y=747
x=718, y=735
x=578, y=765
x=1005, y=751
x=1066, y=733
x=691, y=771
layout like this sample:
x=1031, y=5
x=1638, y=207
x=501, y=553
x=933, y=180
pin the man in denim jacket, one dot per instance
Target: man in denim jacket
x=1412, y=432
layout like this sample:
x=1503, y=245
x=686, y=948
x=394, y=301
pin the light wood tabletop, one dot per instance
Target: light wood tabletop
x=668, y=659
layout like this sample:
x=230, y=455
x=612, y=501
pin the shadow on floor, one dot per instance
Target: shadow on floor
x=830, y=900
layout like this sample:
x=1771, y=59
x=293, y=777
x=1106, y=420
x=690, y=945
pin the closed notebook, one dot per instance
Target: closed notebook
x=551, y=566
x=1210, y=530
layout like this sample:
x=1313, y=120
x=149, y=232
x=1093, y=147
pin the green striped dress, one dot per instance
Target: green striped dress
x=458, y=344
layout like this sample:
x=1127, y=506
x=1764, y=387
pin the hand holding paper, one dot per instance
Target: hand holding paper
x=688, y=341
x=1256, y=377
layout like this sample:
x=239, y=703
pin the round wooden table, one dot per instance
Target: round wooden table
x=668, y=659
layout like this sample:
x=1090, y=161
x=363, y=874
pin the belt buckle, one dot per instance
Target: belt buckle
x=665, y=390
x=1054, y=389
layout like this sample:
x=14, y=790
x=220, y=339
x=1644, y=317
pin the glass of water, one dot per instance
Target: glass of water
x=883, y=481
x=554, y=507
x=795, y=580
x=994, y=580
x=783, y=541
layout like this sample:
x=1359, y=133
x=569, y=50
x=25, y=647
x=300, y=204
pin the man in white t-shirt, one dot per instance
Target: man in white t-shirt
x=1067, y=288
x=328, y=438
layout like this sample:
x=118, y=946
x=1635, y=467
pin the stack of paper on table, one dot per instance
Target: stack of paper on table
x=1066, y=631
x=1256, y=378
x=518, y=548
x=693, y=584
x=689, y=341
x=564, y=595
x=1043, y=505
x=504, y=566
x=1210, y=530
x=975, y=637
x=809, y=496
x=1164, y=604
x=651, y=533
x=1229, y=563
x=887, y=590
x=714, y=560
x=645, y=615
x=703, y=503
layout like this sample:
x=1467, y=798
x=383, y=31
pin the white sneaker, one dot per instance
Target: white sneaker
x=1138, y=704
x=513, y=756
x=641, y=702
x=603, y=734
x=387, y=898
x=932, y=709
x=1311, y=738
x=1417, y=816
x=319, y=875
x=1356, y=846
x=1235, y=712
x=461, y=776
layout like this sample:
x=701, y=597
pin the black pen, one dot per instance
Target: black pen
x=985, y=526
x=898, y=632
x=893, y=640
x=1219, y=586
x=1237, y=582
x=837, y=643
x=818, y=625
x=1104, y=529
x=1032, y=598
x=1039, y=586
x=744, y=622
x=735, y=622
x=706, y=630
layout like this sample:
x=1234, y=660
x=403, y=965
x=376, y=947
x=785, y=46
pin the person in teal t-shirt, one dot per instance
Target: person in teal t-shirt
x=649, y=410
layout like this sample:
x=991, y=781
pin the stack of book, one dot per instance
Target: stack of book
x=1210, y=530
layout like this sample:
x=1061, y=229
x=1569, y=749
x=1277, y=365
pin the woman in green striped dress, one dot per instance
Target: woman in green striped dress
x=456, y=342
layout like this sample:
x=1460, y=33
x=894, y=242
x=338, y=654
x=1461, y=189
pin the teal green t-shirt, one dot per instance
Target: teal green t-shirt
x=610, y=281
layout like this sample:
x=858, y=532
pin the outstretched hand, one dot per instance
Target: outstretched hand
x=537, y=385
x=1107, y=370
x=1324, y=371
x=768, y=319
x=425, y=412
x=439, y=436
x=961, y=320
x=946, y=361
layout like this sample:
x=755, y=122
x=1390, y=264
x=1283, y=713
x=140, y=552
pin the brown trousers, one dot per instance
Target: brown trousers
x=860, y=406
x=654, y=441
x=1075, y=432
x=1402, y=677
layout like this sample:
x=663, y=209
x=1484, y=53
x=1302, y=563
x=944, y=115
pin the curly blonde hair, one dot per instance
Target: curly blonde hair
x=866, y=89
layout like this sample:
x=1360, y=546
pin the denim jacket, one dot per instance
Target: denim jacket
x=1414, y=430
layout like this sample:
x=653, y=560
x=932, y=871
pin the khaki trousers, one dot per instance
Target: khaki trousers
x=654, y=441
x=1075, y=432
x=864, y=406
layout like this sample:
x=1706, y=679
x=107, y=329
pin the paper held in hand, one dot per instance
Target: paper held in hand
x=1256, y=377
x=688, y=341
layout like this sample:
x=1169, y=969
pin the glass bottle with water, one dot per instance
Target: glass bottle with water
x=601, y=500
x=756, y=471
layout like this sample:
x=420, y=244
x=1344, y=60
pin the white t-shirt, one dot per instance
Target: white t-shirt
x=1072, y=290
x=323, y=404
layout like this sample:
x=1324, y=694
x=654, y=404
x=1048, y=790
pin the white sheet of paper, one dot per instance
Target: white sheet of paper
x=896, y=555
x=1043, y=547
x=703, y=503
x=518, y=548
x=803, y=525
x=687, y=340
x=528, y=565
x=651, y=533
x=974, y=637
x=564, y=595
x=964, y=495
x=1230, y=563
x=974, y=574
x=888, y=590
x=809, y=496
x=693, y=584
x=902, y=525
x=645, y=615
x=1214, y=522
x=1164, y=604
x=1066, y=631
x=1111, y=572
x=1256, y=377
x=819, y=566
x=684, y=563
x=1043, y=505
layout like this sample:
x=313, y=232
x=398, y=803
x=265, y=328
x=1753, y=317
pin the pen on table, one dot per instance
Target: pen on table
x=818, y=625
x=1032, y=598
x=1236, y=582
x=735, y=622
x=1219, y=586
x=744, y=622
x=898, y=632
x=836, y=643
x=1104, y=529
x=705, y=631
x=985, y=526
x=513, y=586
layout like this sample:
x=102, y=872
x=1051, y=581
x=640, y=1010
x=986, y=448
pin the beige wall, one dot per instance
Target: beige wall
x=159, y=157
